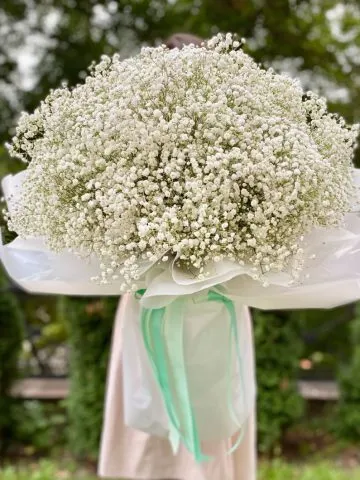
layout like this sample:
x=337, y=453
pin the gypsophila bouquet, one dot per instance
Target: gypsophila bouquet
x=203, y=183
x=193, y=156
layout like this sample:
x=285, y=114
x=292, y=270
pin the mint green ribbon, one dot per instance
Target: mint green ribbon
x=164, y=342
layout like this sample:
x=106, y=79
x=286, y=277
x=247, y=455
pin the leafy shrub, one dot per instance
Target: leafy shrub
x=11, y=335
x=43, y=426
x=278, y=350
x=90, y=326
x=348, y=418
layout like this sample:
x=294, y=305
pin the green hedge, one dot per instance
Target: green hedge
x=11, y=336
x=348, y=418
x=90, y=327
x=278, y=347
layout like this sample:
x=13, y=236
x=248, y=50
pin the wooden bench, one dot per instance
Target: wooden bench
x=319, y=390
x=58, y=388
x=41, y=388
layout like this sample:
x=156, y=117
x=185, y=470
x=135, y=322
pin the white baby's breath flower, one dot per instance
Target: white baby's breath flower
x=197, y=154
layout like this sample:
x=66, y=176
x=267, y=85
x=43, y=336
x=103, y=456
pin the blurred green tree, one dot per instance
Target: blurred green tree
x=317, y=40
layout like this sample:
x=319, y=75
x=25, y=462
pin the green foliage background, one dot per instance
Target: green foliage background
x=316, y=40
x=348, y=421
x=90, y=325
x=11, y=334
x=278, y=350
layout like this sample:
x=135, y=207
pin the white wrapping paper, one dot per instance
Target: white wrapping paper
x=211, y=365
x=143, y=405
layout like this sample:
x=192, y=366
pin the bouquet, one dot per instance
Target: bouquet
x=200, y=182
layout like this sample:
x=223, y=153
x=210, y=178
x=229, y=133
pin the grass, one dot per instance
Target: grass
x=44, y=470
x=276, y=470
x=279, y=470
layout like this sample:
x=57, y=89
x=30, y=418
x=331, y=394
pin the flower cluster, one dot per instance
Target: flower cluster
x=190, y=156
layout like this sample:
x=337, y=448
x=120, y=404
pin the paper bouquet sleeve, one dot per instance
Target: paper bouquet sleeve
x=219, y=372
